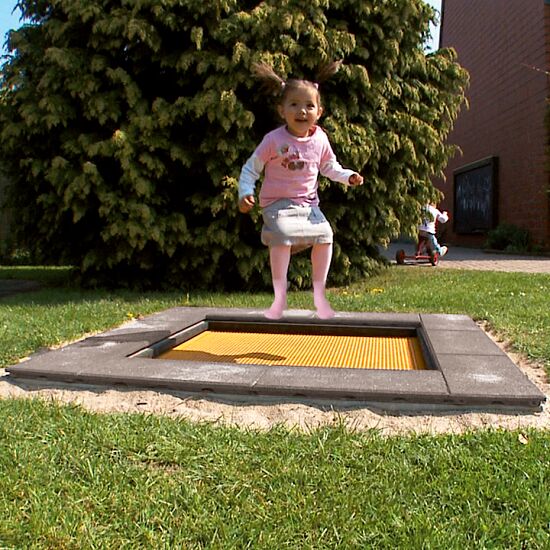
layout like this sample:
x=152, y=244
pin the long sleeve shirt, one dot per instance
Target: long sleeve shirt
x=432, y=215
x=291, y=166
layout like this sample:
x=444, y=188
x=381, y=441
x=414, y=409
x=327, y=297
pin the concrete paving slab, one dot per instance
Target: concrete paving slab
x=465, y=367
x=448, y=323
x=355, y=384
x=464, y=342
x=477, y=377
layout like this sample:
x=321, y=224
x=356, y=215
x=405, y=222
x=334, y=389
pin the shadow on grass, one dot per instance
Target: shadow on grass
x=57, y=286
x=52, y=286
x=60, y=296
x=44, y=275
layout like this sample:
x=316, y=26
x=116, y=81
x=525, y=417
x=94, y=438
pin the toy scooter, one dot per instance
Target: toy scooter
x=423, y=253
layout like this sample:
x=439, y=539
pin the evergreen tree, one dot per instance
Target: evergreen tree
x=124, y=125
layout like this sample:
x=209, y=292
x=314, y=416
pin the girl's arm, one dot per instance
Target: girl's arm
x=332, y=169
x=250, y=174
x=442, y=217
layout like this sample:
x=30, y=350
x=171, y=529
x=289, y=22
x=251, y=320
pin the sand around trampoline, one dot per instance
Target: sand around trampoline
x=263, y=414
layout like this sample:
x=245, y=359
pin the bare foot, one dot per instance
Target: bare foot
x=276, y=310
x=324, y=311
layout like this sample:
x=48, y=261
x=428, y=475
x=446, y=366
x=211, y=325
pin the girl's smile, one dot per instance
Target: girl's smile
x=301, y=110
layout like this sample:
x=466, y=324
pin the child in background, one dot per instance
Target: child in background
x=291, y=157
x=427, y=227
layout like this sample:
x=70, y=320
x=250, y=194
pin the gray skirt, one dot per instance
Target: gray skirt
x=290, y=224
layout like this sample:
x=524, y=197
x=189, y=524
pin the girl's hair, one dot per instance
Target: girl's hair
x=276, y=86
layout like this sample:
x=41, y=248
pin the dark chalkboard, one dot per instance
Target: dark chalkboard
x=475, y=196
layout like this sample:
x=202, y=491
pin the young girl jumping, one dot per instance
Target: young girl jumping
x=291, y=157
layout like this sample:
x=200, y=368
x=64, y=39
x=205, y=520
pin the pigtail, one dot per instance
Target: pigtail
x=328, y=70
x=272, y=83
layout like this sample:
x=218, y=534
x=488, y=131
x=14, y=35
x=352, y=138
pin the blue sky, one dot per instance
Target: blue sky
x=9, y=20
x=433, y=45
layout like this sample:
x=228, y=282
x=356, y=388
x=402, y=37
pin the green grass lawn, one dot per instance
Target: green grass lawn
x=74, y=479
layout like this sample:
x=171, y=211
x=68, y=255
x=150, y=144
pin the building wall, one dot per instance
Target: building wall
x=504, y=45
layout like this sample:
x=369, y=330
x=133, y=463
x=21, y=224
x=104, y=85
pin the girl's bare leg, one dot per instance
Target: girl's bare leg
x=321, y=256
x=279, y=257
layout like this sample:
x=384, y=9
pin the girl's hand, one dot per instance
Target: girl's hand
x=355, y=179
x=246, y=204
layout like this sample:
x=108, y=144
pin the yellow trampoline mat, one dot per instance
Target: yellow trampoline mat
x=311, y=350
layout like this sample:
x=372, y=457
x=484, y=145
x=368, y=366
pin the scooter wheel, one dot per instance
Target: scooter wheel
x=400, y=257
x=434, y=258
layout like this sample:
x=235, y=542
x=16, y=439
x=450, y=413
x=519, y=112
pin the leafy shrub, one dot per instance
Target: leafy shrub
x=15, y=256
x=124, y=126
x=509, y=237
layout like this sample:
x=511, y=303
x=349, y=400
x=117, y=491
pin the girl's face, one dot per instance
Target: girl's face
x=300, y=110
